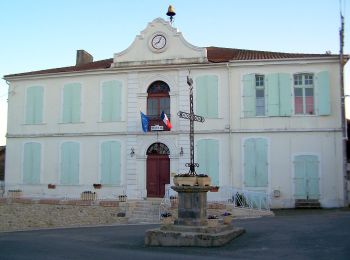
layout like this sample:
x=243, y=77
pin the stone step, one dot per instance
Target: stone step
x=307, y=204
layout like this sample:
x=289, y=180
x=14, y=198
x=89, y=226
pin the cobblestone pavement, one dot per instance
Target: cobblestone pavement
x=291, y=234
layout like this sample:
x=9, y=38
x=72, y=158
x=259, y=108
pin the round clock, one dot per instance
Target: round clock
x=158, y=42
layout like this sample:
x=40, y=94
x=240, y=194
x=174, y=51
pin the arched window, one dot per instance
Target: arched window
x=158, y=100
x=158, y=148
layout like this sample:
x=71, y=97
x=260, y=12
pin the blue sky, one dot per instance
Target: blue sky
x=42, y=34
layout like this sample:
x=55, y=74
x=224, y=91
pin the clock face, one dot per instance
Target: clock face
x=158, y=42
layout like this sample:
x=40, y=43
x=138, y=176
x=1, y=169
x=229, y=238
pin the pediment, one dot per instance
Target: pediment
x=160, y=43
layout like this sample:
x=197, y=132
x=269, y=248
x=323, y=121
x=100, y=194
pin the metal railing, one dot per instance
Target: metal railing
x=239, y=198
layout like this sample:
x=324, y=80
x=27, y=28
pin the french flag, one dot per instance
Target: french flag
x=165, y=120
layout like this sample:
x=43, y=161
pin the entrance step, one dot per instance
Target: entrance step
x=307, y=204
x=144, y=211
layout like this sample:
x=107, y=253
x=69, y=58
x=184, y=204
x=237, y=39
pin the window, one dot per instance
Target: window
x=158, y=100
x=34, y=105
x=111, y=101
x=260, y=95
x=110, y=163
x=71, y=103
x=208, y=159
x=304, y=94
x=31, y=163
x=70, y=163
x=207, y=96
x=255, y=162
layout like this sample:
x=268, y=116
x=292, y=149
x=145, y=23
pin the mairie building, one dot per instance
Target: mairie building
x=272, y=122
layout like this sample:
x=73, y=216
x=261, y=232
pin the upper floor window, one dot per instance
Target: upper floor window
x=71, y=103
x=111, y=101
x=304, y=101
x=260, y=95
x=34, y=105
x=158, y=100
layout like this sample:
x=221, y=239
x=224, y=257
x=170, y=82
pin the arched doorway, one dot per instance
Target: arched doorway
x=158, y=170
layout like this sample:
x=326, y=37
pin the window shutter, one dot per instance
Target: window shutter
x=70, y=163
x=249, y=95
x=249, y=163
x=110, y=163
x=34, y=105
x=312, y=176
x=201, y=96
x=261, y=162
x=212, y=93
x=111, y=101
x=201, y=157
x=31, y=163
x=273, y=96
x=285, y=94
x=300, y=177
x=213, y=160
x=322, y=81
x=71, y=103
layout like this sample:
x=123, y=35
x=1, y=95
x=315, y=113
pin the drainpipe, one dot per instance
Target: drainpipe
x=342, y=99
x=230, y=124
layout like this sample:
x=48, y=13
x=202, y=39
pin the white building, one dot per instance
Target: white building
x=273, y=122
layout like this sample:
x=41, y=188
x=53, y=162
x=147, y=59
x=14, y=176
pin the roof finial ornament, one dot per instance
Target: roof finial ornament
x=171, y=13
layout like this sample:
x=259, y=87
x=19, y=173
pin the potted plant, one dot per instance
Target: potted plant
x=185, y=179
x=122, y=198
x=213, y=221
x=203, y=180
x=51, y=186
x=167, y=218
x=214, y=188
x=227, y=217
x=97, y=185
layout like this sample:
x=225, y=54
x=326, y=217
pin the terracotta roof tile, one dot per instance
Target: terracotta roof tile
x=215, y=55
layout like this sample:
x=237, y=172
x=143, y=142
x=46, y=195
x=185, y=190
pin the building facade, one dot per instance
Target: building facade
x=272, y=122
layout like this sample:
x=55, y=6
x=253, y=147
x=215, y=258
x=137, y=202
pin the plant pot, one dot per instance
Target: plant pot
x=213, y=222
x=203, y=181
x=186, y=181
x=51, y=186
x=97, y=186
x=214, y=189
x=228, y=220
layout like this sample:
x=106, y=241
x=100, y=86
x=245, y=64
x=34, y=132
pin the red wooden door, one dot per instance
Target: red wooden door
x=158, y=174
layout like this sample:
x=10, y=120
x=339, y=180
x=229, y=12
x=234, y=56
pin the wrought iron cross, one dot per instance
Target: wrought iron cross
x=192, y=117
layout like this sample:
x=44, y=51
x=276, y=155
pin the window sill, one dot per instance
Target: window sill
x=104, y=122
x=71, y=123
x=34, y=124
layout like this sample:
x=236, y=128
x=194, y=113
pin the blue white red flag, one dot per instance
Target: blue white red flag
x=165, y=120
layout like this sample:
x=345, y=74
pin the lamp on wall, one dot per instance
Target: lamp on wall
x=181, y=151
x=132, y=153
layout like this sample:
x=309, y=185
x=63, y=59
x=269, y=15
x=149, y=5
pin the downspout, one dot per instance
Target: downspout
x=230, y=124
x=343, y=116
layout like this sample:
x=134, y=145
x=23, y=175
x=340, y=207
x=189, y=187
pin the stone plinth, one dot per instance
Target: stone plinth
x=191, y=228
x=192, y=205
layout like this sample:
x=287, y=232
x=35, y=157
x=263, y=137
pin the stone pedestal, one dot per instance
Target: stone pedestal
x=192, y=206
x=191, y=228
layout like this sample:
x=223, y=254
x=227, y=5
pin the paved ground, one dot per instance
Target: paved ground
x=291, y=234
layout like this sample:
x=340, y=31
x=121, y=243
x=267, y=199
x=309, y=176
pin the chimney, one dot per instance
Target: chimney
x=83, y=57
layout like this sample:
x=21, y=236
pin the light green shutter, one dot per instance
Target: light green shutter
x=208, y=159
x=34, y=105
x=285, y=94
x=261, y=162
x=249, y=95
x=70, y=163
x=299, y=178
x=273, y=96
x=212, y=93
x=71, y=103
x=322, y=81
x=31, y=163
x=312, y=177
x=111, y=101
x=213, y=160
x=249, y=163
x=110, y=163
x=306, y=177
x=201, y=96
